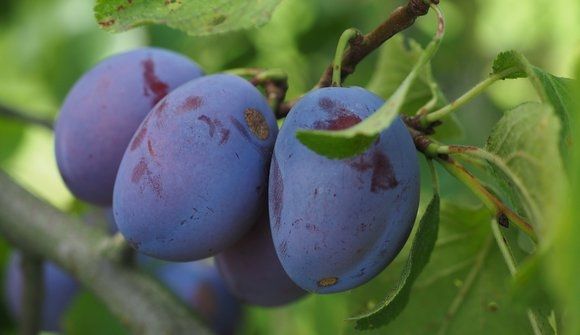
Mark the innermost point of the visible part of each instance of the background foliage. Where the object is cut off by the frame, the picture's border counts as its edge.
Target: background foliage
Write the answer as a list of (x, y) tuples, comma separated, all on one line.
[(47, 45)]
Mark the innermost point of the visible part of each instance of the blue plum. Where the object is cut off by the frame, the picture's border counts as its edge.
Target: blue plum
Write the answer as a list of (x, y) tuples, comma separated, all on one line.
[(253, 271), (337, 223), (59, 291), (102, 111), (194, 178), (200, 286)]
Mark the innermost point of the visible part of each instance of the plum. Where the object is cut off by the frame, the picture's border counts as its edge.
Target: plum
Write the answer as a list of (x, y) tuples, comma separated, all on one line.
[(337, 223), (102, 111), (193, 180), (253, 272), (59, 291), (200, 286)]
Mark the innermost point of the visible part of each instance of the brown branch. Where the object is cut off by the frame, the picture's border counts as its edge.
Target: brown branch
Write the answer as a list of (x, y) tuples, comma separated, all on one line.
[(10, 113), (139, 301), (402, 18)]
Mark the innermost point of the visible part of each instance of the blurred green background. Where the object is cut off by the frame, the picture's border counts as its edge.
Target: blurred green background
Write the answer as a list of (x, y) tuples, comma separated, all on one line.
[(46, 45)]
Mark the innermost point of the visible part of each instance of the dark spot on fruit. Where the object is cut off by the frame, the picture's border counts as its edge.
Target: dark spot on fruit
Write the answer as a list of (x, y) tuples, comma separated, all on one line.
[(383, 176), (210, 124), (238, 156), (326, 104), (218, 20), (339, 123), (266, 152), (283, 247), (139, 171), (138, 138), (107, 23), (155, 183), (191, 104), (153, 85), (315, 192), (150, 148), (257, 123), (362, 227), (225, 134), (277, 193), (311, 227), (326, 282)]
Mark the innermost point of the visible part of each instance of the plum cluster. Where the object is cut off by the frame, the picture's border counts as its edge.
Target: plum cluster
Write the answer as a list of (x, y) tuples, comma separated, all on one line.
[(194, 166)]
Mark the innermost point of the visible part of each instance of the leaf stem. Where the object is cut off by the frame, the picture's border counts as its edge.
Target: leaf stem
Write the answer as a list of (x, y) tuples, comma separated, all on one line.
[(350, 36), (489, 200), (510, 261), (495, 161), (464, 99), (32, 295)]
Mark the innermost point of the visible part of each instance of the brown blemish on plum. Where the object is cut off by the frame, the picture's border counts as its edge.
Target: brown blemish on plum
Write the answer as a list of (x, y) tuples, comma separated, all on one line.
[(153, 85), (383, 177), (340, 122), (266, 152), (154, 181), (214, 124), (257, 123), (326, 282), (138, 138), (139, 171), (150, 148), (326, 103), (283, 247), (277, 193), (205, 119), (191, 104)]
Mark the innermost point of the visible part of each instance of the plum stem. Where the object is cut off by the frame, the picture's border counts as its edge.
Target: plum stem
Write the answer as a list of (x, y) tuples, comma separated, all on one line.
[(32, 295), (350, 37), (10, 113), (274, 82)]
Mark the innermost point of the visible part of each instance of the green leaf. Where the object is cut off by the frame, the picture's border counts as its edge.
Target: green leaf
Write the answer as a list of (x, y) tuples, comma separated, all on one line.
[(526, 141), (340, 144), (395, 62), (465, 288), (195, 17), (551, 89), (423, 245), (564, 249)]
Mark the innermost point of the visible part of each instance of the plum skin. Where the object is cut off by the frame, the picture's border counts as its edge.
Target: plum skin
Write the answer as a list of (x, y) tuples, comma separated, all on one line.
[(193, 179), (102, 111), (200, 286), (336, 224), (252, 270), (59, 291)]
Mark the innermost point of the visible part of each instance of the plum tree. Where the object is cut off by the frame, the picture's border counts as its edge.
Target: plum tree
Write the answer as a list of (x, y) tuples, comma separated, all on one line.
[(200, 286), (337, 223), (102, 111), (253, 272), (59, 291), (193, 180)]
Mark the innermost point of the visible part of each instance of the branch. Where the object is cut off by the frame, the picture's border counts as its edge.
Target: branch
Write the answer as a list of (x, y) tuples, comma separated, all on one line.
[(9, 113), (32, 295), (140, 302), (402, 18)]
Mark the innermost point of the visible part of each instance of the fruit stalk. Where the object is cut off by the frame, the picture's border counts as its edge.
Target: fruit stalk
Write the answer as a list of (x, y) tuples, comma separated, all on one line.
[(140, 302)]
